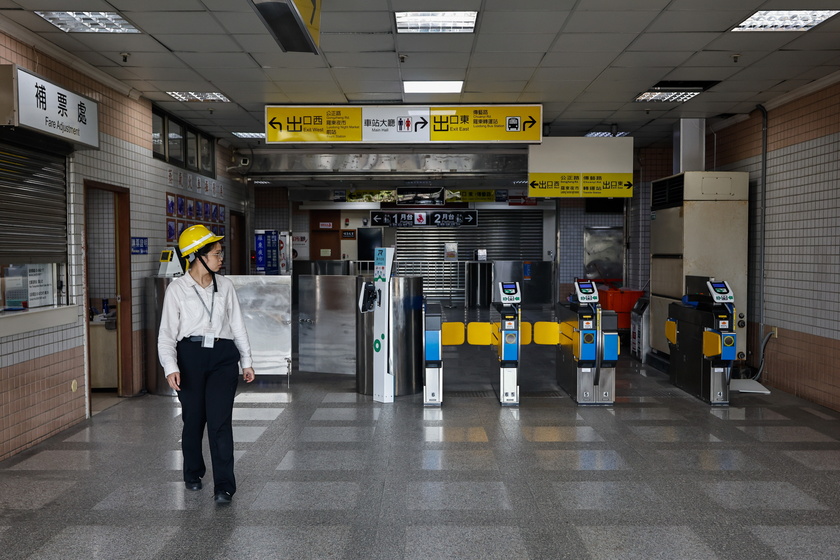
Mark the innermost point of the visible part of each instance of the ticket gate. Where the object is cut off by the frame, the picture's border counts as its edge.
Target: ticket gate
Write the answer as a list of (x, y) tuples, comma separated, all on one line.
[(588, 347), (702, 340), (433, 354), (506, 331), (502, 331)]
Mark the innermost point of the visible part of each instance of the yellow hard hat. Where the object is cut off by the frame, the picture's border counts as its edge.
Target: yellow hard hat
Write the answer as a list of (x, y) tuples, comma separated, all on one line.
[(195, 237)]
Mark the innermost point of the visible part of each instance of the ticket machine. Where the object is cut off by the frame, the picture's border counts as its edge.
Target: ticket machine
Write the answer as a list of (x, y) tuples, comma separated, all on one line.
[(701, 337), (171, 263), (588, 347), (506, 323)]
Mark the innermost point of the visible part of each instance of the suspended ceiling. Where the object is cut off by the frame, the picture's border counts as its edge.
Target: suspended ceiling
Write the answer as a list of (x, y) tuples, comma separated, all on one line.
[(584, 60)]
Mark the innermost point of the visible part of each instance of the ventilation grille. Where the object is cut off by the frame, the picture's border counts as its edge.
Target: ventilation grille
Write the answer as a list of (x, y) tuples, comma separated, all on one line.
[(667, 193)]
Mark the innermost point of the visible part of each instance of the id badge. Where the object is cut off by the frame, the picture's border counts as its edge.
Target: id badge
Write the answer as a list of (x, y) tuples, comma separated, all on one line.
[(209, 339)]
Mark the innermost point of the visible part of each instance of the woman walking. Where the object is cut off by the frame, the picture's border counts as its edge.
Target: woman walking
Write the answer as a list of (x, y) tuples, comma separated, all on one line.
[(201, 343)]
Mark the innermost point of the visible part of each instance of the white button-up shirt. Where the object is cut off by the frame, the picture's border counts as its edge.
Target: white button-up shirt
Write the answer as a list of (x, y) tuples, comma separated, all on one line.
[(184, 315)]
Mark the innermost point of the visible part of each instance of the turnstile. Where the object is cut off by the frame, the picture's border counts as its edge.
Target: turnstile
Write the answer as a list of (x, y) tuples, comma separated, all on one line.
[(701, 336), (588, 348)]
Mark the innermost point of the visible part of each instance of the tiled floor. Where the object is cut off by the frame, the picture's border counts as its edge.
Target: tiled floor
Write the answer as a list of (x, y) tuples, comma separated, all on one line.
[(326, 473)]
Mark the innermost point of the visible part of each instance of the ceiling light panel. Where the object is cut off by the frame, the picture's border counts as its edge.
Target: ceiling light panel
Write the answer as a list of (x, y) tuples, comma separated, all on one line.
[(192, 96), (435, 22), (785, 20), (666, 96), (433, 87), (605, 134), (249, 134), (89, 22)]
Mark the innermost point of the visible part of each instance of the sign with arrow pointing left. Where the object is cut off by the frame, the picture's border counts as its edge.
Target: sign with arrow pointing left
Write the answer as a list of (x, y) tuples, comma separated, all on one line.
[(403, 124)]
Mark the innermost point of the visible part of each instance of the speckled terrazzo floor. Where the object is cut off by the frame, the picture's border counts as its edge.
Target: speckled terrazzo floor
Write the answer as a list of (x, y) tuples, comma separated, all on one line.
[(324, 472)]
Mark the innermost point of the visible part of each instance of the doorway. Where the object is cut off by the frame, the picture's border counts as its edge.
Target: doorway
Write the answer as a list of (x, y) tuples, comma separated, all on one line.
[(108, 287), (237, 261), (325, 242)]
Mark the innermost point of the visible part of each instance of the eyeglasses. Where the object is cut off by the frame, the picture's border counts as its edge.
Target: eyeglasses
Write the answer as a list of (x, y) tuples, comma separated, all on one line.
[(218, 254)]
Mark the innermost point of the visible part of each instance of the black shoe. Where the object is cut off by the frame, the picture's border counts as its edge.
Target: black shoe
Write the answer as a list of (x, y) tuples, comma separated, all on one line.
[(195, 485), (222, 497)]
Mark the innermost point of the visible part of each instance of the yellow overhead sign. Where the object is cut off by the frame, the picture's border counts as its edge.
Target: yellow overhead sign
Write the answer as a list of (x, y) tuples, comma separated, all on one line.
[(580, 185), (403, 124), (313, 124), (310, 13), (493, 123)]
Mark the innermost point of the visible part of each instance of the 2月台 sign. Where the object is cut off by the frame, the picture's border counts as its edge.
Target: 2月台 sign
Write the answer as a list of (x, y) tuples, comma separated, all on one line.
[(403, 124)]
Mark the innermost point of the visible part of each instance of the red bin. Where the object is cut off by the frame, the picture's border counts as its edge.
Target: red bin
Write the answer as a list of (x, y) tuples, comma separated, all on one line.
[(621, 301)]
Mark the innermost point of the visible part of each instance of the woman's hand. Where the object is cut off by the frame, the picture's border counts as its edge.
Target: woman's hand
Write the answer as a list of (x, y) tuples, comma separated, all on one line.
[(248, 374), (174, 380)]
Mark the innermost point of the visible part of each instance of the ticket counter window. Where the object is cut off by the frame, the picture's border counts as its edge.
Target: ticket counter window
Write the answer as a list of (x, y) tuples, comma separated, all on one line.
[(31, 286)]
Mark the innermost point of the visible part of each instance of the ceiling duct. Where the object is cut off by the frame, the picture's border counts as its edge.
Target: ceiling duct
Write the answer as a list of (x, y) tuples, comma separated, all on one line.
[(689, 145), (489, 169), (284, 22)]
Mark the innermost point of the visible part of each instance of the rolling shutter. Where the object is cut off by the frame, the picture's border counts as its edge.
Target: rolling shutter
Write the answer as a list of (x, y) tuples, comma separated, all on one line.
[(33, 206)]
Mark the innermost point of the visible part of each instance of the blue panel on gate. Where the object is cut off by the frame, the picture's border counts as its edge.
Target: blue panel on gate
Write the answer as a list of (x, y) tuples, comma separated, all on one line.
[(588, 350), (433, 346)]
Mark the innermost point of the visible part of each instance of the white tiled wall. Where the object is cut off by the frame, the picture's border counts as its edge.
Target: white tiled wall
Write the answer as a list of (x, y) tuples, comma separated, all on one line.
[(148, 181), (802, 233)]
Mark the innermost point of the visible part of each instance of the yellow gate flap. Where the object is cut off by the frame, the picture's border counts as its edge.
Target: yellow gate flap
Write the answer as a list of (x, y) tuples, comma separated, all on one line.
[(546, 332), (671, 331), (525, 333), (711, 344), (452, 334), (479, 334)]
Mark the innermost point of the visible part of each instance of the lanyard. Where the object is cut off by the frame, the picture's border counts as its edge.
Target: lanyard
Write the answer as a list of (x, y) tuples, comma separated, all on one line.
[(212, 304)]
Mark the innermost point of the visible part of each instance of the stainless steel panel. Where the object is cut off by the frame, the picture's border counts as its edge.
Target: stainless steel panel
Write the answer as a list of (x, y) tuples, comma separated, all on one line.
[(327, 324), (603, 252), (266, 303), (152, 306), (406, 335)]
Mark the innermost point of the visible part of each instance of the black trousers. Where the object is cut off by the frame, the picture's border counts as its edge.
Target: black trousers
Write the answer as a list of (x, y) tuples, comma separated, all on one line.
[(209, 377)]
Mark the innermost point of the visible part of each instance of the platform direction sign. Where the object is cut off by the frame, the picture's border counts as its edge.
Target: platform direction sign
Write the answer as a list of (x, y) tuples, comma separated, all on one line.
[(403, 124), (453, 218), (380, 218), (435, 218)]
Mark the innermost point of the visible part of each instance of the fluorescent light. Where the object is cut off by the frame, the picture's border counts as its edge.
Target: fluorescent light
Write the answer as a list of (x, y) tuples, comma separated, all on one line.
[(435, 22), (193, 96), (666, 96), (784, 20), (433, 87), (249, 134), (89, 22), (605, 134)]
